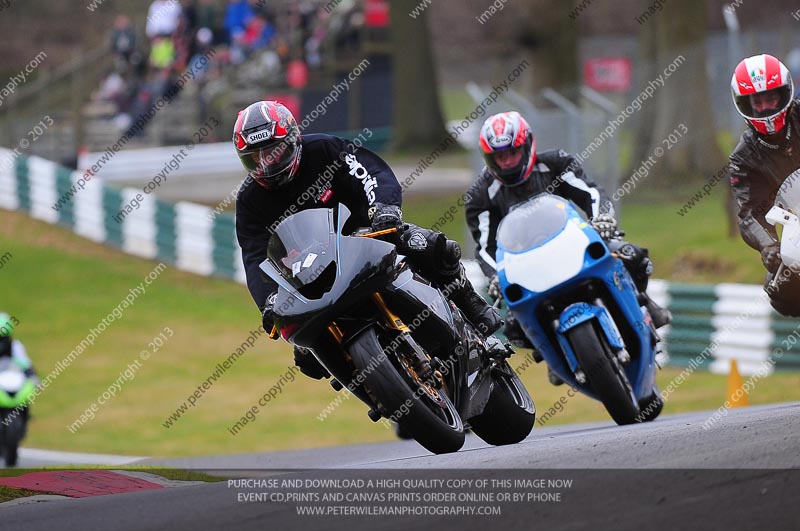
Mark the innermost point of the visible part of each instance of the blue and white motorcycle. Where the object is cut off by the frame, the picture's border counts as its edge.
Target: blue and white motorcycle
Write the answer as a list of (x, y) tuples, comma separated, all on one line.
[(578, 305)]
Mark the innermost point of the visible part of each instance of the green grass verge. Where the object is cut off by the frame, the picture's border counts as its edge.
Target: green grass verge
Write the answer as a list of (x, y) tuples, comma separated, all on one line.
[(10, 493), (59, 286)]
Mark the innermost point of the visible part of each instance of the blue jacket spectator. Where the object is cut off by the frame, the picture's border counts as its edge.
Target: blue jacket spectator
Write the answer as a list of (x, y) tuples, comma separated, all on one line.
[(237, 14)]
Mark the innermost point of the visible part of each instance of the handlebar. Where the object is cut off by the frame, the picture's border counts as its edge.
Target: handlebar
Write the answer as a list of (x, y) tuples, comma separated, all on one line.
[(378, 233)]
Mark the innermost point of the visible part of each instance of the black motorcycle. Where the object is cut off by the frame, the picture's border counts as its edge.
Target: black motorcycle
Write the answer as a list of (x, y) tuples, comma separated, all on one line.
[(390, 336)]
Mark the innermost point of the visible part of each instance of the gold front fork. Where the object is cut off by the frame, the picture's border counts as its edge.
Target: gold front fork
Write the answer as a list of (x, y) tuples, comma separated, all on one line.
[(421, 361), (392, 320)]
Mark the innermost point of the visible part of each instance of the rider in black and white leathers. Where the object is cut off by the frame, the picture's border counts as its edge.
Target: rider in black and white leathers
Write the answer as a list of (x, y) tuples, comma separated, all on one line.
[(488, 200), (514, 173)]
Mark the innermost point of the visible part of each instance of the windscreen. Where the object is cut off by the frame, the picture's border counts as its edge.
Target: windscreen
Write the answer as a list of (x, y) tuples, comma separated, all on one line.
[(532, 223), (789, 193), (303, 245)]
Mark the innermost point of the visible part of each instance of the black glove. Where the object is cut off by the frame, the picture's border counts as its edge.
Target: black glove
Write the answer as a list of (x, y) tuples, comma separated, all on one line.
[(309, 365), (268, 316), (494, 288), (771, 256), (605, 225), (386, 217)]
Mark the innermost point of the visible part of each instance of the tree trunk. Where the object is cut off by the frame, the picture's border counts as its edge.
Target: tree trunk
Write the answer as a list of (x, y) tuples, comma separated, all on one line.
[(418, 122), (645, 71), (551, 37), (682, 103)]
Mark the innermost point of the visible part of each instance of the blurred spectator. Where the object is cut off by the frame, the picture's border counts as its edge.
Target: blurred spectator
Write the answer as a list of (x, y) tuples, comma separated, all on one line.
[(123, 39), (345, 28), (278, 45), (209, 16), (184, 36), (189, 13), (163, 18), (237, 14), (197, 65), (162, 53), (258, 33), (313, 44), (155, 86), (114, 89)]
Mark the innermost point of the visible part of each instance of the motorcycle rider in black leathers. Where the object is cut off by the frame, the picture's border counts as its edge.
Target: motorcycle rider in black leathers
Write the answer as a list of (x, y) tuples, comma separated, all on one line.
[(288, 173), (514, 173), (767, 153)]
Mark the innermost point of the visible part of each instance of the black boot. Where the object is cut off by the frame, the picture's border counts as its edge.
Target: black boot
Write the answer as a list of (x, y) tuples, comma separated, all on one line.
[(661, 316), (553, 377), (308, 364), (514, 333), (477, 311)]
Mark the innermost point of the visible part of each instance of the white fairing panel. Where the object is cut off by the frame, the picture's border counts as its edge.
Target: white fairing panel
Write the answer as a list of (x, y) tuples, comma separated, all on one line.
[(790, 238), (11, 381), (545, 267), (790, 243)]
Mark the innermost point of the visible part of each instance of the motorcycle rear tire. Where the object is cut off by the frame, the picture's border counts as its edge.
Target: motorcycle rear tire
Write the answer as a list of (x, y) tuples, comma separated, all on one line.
[(440, 432), (509, 414), (604, 373)]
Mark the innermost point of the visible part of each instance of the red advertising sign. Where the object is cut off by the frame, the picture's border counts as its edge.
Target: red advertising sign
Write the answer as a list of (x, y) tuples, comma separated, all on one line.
[(376, 13), (608, 74)]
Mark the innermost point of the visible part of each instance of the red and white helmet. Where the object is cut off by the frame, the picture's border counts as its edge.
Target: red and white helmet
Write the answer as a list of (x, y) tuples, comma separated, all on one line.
[(267, 141), (508, 147), (763, 91)]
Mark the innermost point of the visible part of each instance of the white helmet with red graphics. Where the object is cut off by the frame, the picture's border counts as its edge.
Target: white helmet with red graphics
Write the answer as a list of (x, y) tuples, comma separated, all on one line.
[(763, 92), (508, 147)]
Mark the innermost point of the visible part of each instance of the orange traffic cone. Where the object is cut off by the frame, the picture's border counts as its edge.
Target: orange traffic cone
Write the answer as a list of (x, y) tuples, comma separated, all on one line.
[(736, 395)]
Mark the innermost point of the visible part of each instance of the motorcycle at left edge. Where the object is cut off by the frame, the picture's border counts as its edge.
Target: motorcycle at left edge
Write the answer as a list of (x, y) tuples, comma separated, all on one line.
[(16, 391)]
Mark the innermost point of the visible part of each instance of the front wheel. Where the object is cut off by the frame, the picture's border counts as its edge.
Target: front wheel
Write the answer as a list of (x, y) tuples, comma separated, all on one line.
[(13, 431), (651, 407), (604, 372), (509, 414), (10, 455), (424, 413)]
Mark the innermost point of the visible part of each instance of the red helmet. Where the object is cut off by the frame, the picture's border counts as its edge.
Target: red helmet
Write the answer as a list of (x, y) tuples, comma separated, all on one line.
[(508, 147), (763, 91), (267, 141)]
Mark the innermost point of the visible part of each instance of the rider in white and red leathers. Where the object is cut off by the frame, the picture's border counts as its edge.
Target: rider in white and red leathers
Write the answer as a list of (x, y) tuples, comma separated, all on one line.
[(767, 153)]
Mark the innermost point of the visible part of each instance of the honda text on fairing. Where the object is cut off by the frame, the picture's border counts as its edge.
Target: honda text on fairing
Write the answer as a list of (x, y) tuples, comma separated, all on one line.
[(390, 336), (578, 305)]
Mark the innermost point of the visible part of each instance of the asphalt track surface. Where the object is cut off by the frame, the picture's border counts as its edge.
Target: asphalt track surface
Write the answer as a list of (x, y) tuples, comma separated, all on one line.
[(742, 472)]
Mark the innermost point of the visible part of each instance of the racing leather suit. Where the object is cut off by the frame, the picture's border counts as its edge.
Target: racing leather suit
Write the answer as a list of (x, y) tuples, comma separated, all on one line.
[(758, 166)]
